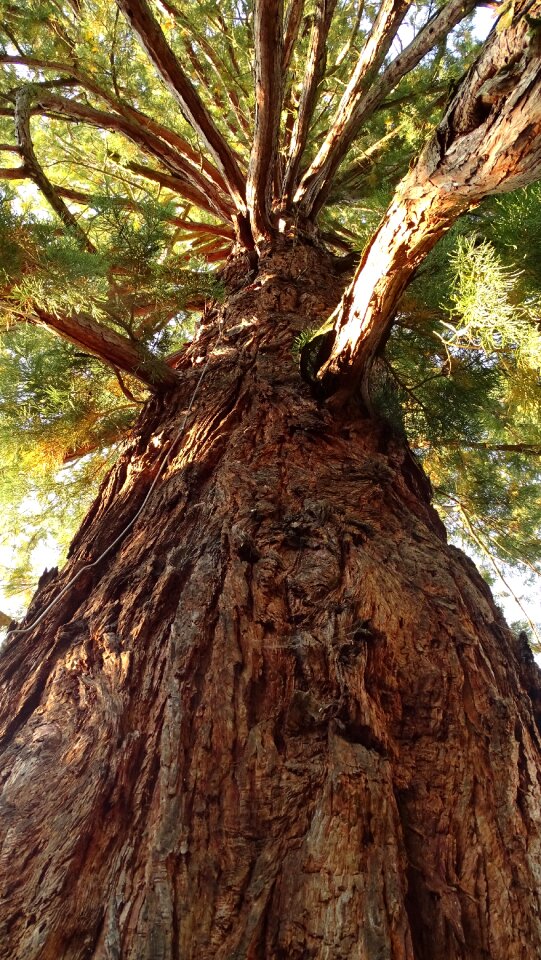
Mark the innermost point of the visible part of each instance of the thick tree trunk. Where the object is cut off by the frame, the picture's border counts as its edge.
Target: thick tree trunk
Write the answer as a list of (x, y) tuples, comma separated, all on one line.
[(284, 719)]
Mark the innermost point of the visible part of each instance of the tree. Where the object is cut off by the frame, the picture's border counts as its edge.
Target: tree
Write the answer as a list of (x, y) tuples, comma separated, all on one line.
[(264, 710)]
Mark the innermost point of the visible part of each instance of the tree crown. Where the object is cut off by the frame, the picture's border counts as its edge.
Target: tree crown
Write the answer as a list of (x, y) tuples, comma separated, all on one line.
[(141, 149)]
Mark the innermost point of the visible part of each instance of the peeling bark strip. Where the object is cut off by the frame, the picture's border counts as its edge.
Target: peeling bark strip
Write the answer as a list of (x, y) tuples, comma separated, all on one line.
[(111, 347), (153, 41), (268, 15), (489, 142), (283, 720), (35, 171)]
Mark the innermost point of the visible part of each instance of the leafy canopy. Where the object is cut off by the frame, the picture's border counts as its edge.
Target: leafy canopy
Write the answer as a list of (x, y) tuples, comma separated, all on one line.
[(117, 210)]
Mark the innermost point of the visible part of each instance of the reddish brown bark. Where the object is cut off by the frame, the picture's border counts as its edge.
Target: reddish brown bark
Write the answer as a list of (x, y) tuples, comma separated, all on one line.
[(316, 62), (105, 343), (284, 718), (366, 93)]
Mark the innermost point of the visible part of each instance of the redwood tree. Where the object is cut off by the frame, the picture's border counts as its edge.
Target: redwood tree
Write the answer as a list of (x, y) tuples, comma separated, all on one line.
[(264, 710)]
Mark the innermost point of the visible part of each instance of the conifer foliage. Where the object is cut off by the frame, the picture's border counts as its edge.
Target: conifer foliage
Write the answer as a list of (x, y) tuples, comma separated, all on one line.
[(144, 145)]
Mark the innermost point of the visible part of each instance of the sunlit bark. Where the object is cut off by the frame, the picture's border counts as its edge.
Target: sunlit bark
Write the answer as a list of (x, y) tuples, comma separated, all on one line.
[(152, 39), (365, 93), (314, 71), (105, 343)]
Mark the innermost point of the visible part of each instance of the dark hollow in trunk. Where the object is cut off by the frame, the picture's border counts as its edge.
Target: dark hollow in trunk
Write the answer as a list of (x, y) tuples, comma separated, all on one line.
[(284, 719)]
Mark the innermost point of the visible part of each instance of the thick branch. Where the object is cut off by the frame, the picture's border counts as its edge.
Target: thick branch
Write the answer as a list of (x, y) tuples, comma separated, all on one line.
[(315, 69), (292, 22), (489, 142), (268, 103), (168, 66), (14, 173), (197, 160), (390, 16), (34, 169), (111, 347), (226, 79)]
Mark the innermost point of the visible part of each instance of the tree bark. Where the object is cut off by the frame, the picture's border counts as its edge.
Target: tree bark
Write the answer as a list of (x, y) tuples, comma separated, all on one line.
[(283, 718), (153, 41)]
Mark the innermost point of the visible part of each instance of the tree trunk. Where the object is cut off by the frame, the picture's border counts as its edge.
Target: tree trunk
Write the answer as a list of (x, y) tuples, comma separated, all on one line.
[(283, 719)]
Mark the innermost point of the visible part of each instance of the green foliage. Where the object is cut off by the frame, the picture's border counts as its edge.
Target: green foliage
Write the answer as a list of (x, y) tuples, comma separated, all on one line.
[(62, 415)]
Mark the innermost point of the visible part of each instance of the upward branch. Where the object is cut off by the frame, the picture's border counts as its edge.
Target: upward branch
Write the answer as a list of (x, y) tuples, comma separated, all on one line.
[(390, 16), (170, 70), (292, 22), (268, 101), (315, 68), (489, 142), (33, 168), (362, 99)]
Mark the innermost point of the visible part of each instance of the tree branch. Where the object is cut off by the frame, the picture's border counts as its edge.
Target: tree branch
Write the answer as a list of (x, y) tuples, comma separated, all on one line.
[(226, 78), (14, 173), (292, 22), (268, 16), (315, 69), (489, 142), (153, 41), (240, 130), (111, 347), (527, 449), (201, 191), (196, 159), (390, 16), (318, 178), (23, 101)]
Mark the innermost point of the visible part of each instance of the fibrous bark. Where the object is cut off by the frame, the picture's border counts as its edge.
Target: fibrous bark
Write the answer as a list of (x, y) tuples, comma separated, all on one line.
[(365, 93), (284, 718), (315, 69), (105, 343)]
